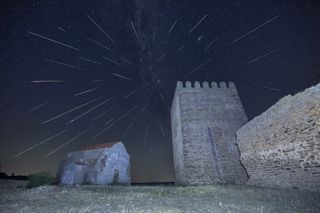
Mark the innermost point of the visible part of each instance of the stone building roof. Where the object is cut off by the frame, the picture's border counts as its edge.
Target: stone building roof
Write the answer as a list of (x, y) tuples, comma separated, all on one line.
[(100, 146)]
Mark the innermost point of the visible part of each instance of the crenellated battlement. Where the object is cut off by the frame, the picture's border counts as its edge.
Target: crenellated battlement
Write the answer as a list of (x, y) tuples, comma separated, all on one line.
[(205, 85)]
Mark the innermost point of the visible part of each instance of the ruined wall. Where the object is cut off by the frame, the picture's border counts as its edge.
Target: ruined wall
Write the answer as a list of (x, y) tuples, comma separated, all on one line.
[(204, 122), (281, 147), (107, 165)]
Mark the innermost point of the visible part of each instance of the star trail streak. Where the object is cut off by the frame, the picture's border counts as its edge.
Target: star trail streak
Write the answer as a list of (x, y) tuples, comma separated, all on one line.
[(262, 56), (253, 30), (164, 134), (71, 110), (144, 108), (270, 88), (64, 64), (171, 28), (121, 76), (60, 28), (38, 107), (198, 67), (85, 92), (126, 60), (101, 29), (89, 60), (129, 126), (54, 41), (197, 24), (47, 81), (40, 143), (109, 121), (99, 44), (102, 114), (90, 110), (160, 58), (134, 30), (210, 44), (112, 61), (68, 142), (129, 94), (114, 122)]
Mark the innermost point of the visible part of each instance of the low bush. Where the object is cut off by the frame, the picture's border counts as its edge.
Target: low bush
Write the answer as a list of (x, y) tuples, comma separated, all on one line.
[(41, 178)]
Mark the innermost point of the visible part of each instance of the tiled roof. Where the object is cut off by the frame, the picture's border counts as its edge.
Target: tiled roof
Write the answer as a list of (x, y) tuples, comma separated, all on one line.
[(99, 146)]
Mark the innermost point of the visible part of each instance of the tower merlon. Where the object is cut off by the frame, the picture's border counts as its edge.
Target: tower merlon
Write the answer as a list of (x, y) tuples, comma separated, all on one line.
[(205, 85)]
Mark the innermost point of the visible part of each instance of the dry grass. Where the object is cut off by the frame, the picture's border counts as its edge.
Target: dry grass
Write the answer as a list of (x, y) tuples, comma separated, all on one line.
[(216, 198)]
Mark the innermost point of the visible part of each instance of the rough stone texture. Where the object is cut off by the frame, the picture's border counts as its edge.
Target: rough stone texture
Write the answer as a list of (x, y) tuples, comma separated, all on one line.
[(281, 147), (99, 164), (204, 122)]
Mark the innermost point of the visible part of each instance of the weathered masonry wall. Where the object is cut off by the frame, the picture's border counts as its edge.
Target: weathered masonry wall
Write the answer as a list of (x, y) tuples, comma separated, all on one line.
[(99, 164), (281, 147), (204, 122)]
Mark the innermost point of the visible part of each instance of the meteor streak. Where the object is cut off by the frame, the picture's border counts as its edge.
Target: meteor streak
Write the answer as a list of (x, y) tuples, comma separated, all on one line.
[(66, 143), (102, 114), (161, 57), (195, 26), (37, 107), (210, 44), (64, 64), (253, 30), (121, 76), (162, 130), (112, 61), (128, 95), (95, 107), (42, 142), (116, 121), (180, 48), (47, 81), (84, 92), (198, 67), (60, 28), (54, 41), (262, 56), (172, 26), (89, 60), (71, 110), (101, 45), (270, 88), (101, 29), (134, 30)]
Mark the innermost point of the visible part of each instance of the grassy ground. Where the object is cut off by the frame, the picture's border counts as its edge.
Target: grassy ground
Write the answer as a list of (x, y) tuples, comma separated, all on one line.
[(216, 198)]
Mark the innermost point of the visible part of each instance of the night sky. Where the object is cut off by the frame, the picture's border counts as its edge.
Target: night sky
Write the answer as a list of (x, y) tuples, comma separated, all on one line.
[(85, 72)]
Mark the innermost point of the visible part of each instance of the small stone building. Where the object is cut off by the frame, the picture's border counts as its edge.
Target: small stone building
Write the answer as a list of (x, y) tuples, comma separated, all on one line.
[(204, 120), (281, 147), (97, 164)]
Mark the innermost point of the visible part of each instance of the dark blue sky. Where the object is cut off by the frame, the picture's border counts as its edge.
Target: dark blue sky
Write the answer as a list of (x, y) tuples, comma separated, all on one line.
[(268, 48)]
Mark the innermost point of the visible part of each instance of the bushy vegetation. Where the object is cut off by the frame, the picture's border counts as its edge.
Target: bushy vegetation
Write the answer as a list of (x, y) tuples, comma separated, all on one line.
[(41, 178)]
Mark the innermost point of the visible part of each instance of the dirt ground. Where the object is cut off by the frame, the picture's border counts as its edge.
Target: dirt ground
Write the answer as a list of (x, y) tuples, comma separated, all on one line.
[(216, 198)]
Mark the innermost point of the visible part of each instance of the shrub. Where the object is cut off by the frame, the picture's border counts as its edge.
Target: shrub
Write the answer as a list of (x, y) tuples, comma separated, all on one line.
[(41, 178), (3, 175)]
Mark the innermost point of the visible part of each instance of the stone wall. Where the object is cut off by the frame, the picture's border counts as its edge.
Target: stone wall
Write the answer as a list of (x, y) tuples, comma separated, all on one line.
[(204, 122), (109, 164), (281, 147)]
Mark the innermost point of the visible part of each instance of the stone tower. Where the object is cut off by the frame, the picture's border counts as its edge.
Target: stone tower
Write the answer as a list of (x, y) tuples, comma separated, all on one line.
[(204, 122)]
